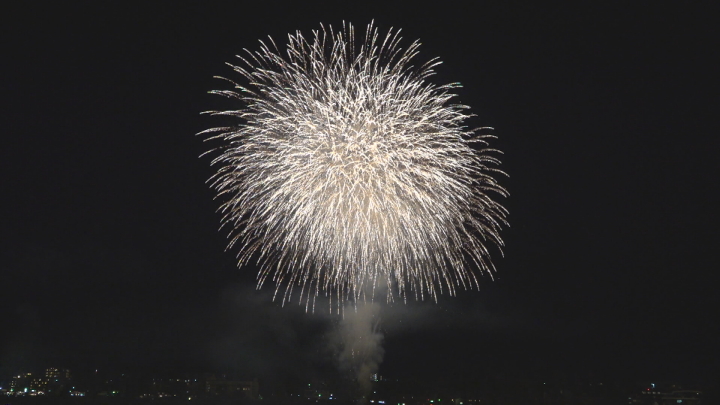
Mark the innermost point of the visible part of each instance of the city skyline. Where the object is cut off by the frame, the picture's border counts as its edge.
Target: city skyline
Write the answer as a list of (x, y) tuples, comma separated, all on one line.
[(59, 384)]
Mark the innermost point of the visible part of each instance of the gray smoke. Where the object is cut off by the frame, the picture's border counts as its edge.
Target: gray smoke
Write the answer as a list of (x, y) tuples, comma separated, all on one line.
[(359, 342)]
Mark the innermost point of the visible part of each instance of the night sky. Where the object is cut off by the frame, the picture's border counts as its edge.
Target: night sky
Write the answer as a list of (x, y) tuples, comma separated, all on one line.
[(111, 257)]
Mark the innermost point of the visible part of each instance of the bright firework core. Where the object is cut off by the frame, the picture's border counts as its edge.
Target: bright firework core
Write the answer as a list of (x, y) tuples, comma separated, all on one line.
[(350, 173)]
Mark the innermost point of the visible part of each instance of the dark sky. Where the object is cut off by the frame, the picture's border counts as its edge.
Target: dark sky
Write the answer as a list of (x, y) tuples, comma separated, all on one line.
[(607, 114)]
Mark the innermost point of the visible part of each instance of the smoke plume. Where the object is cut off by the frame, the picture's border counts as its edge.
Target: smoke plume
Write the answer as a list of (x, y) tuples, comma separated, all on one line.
[(360, 343)]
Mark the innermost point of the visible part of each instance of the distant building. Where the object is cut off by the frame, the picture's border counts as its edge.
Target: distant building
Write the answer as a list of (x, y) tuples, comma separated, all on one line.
[(21, 382), (53, 380), (665, 394), (228, 387), (318, 391), (58, 375)]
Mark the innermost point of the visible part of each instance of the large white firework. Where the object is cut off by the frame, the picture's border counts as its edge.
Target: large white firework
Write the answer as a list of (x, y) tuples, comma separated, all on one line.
[(349, 172)]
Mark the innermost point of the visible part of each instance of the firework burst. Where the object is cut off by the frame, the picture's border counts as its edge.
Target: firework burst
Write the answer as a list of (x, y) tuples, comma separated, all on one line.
[(350, 172)]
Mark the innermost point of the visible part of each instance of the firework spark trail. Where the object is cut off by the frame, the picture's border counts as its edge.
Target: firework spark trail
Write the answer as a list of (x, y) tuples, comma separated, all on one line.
[(351, 172)]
